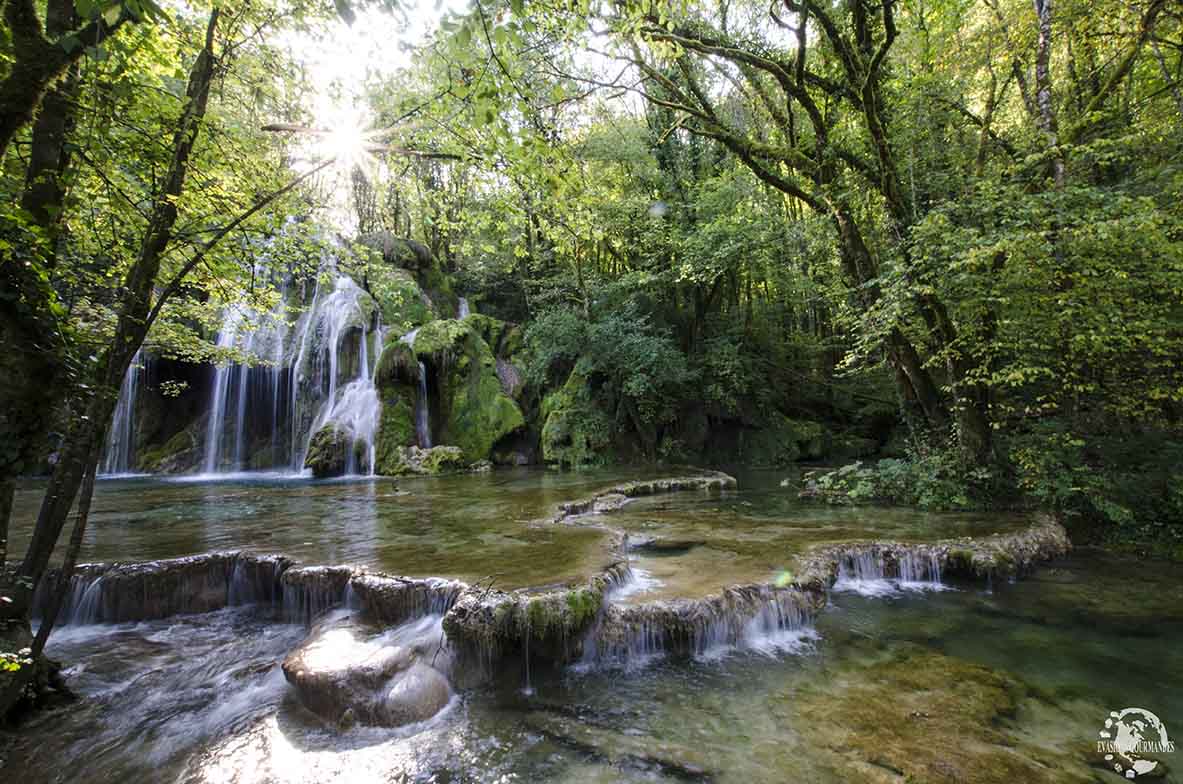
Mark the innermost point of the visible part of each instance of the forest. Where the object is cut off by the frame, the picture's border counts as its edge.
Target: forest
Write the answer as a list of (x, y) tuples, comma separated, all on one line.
[(911, 271)]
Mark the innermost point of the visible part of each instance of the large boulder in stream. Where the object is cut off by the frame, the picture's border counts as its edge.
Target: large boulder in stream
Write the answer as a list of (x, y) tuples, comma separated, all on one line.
[(344, 673), (328, 452)]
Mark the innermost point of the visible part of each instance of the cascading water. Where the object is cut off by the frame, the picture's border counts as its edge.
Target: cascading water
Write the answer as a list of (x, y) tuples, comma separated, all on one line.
[(119, 457), (355, 408), (872, 573), (267, 414), (422, 415), (227, 337), (462, 310)]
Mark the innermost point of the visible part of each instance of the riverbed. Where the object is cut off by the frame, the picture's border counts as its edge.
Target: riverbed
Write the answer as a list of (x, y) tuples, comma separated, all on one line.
[(951, 681)]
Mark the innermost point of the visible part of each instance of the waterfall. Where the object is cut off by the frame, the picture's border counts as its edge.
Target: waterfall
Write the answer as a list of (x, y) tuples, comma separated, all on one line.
[(422, 415), (422, 423), (301, 383), (355, 408), (119, 457), (462, 308), (875, 572), (217, 409)]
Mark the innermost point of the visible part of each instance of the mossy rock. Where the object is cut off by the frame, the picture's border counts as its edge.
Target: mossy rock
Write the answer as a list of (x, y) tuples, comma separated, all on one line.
[(179, 454), (396, 428), (438, 338), (401, 461), (476, 411), (328, 452), (400, 299), (397, 365), (504, 339), (574, 430), (441, 459)]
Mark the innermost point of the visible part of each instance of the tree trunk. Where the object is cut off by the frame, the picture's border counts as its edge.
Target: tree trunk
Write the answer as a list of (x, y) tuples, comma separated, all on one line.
[(7, 492), (85, 435), (37, 62), (1043, 91), (58, 597)]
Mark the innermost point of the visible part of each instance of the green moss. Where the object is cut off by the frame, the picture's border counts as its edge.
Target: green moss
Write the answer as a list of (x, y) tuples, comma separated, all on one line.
[(400, 299), (397, 364), (960, 561), (574, 431), (584, 604), (537, 617), (327, 452), (154, 460), (395, 430), (478, 413), (443, 458), (440, 336)]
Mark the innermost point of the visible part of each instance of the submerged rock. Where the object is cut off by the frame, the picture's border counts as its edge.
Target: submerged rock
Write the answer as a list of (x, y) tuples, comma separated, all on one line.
[(345, 672), (924, 716)]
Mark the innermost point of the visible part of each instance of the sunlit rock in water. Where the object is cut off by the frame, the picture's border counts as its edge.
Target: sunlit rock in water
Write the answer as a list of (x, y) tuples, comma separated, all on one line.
[(345, 672)]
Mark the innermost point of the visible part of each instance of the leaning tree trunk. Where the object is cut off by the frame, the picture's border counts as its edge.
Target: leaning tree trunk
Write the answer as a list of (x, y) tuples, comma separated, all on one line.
[(84, 437)]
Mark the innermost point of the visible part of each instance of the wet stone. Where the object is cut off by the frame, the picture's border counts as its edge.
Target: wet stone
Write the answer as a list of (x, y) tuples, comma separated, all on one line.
[(345, 673)]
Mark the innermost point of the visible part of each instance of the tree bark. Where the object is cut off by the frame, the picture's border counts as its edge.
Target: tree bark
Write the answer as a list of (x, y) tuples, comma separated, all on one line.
[(1043, 91), (49, 618), (83, 437), (38, 61)]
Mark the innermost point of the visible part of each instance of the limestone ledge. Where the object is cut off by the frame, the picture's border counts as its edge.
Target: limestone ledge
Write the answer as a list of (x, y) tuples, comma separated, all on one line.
[(558, 623), (615, 497), (997, 555)]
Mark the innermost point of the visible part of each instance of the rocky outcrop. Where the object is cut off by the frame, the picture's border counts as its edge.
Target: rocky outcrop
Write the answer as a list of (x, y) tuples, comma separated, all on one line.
[(997, 555), (487, 624), (345, 673), (394, 600), (436, 460), (115, 593), (615, 497), (575, 432), (691, 627), (328, 452)]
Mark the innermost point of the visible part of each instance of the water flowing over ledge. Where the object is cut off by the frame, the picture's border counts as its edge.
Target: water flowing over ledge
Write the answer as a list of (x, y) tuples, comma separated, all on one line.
[(572, 624)]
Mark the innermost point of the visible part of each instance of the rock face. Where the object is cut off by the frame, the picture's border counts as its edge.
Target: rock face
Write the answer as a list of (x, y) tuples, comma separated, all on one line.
[(328, 452), (436, 460), (345, 672), (116, 593), (575, 431), (476, 411), (469, 407), (1000, 554)]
